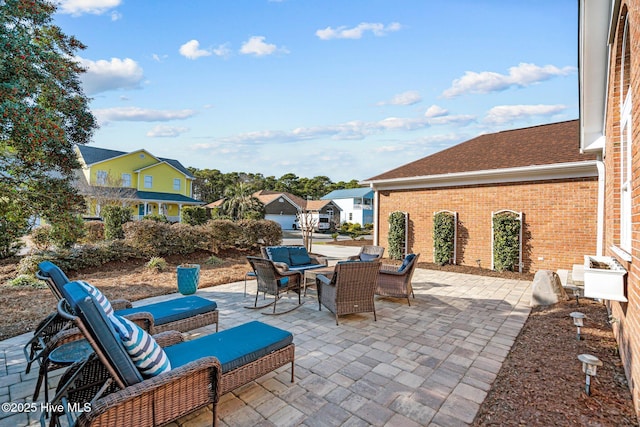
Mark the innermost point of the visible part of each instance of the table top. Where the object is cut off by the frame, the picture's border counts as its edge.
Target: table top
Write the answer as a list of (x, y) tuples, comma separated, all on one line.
[(71, 352), (326, 271)]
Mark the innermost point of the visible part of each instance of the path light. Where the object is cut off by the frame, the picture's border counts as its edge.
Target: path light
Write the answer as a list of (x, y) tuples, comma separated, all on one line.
[(578, 321), (590, 364)]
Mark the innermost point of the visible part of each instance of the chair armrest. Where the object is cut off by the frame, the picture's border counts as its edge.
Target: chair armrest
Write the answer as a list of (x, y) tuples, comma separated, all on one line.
[(318, 259), (168, 338), (144, 319), (391, 269), (354, 258), (204, 372), (120, 304), (321, 278)]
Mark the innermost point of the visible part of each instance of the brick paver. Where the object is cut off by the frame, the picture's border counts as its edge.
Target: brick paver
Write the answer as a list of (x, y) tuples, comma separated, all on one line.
[(431, 363)]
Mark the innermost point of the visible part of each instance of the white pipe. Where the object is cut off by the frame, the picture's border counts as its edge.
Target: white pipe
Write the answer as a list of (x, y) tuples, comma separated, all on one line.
[(600, 210)]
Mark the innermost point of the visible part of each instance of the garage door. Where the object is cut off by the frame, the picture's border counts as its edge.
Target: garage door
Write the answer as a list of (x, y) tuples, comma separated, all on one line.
[(285, 221)]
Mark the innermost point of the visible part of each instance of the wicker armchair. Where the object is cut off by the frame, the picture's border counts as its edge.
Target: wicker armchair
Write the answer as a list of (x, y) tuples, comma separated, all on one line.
[(368, 253), (274, 281), (350, 289), (396, 282)]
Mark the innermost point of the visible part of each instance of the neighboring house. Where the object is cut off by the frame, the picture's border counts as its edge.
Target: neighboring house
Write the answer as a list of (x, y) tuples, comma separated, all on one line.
[(536, 171), (356, 204), (153, 185), (284, 208), (609, 67)]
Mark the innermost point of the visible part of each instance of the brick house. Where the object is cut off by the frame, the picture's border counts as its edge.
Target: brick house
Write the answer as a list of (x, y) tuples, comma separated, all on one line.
[(537, 171), (609, 51)]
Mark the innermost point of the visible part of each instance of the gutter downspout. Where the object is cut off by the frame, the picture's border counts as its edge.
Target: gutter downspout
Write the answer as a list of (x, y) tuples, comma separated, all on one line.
[(600, 210), (376, 222)]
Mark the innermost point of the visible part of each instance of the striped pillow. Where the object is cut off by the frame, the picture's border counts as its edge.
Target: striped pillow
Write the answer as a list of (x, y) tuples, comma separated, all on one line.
[(146, 354), (102, 300)]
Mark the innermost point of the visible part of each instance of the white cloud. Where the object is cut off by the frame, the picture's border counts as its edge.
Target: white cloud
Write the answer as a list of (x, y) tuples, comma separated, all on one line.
[(137, 114), (95, 7), (435, 111), (487, 81), (103, 75), (159, 58), (358, 31), (223, 50), (162, 131), (191, 50), (507, 113), (257, 46), (406, 98), (116, 16)]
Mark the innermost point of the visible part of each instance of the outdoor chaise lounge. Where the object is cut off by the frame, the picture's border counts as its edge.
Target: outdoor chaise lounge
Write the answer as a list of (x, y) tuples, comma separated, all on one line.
[(180, 314), (200, 370), (395, 281), (350, 289)]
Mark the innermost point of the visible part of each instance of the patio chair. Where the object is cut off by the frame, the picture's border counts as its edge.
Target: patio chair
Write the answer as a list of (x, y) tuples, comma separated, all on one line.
[(368, 253), (201, 369), (350, 289), (395, 282), (273, 281), (181, 314)]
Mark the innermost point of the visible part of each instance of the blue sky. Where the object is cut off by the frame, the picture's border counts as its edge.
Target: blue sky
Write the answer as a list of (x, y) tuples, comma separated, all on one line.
[(345, 89)]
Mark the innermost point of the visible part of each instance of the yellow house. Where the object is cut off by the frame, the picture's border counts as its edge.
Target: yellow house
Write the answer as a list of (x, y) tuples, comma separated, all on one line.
[(152, 185)]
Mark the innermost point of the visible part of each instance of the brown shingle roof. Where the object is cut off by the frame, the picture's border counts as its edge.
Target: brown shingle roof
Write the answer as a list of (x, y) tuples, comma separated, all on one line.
[(537, 145)]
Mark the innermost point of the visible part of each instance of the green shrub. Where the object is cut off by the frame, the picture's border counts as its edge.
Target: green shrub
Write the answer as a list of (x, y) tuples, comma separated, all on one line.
[(194, 215), (156, 218), (114, 218), (444, 229), (41, 237), (222, 234), (214, 261), (506, 241), (67, 230), (156, 264), (149, 238), (254, 233), (27, 280), (397, 227), (13, 225)]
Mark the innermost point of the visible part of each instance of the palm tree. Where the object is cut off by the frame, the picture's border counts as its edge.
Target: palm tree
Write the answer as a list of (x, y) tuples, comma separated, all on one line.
[(241, 204)]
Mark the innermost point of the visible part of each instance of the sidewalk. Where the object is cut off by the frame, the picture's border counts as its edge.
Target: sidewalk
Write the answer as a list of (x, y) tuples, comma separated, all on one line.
[(430, 364)]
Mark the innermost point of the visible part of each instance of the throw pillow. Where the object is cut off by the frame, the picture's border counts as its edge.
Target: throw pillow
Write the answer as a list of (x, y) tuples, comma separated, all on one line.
[(99, 296), (368, 257), (146, 354), (407, 260), (279, 254), (283, 282)]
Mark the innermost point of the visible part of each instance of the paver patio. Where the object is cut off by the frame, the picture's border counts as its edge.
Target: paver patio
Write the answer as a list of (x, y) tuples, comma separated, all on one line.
[(428, 364)]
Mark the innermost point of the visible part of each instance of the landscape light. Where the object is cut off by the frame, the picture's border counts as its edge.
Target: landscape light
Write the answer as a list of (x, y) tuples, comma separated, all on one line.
[(578, 321), (590, 364)]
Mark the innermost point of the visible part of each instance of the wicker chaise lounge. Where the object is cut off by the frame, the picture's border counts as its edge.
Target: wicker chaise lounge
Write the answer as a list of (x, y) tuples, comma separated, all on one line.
[(350, 289), (201, 369), (396, 282)]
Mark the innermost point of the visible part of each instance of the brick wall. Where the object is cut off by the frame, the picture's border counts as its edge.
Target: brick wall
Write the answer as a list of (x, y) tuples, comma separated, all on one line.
[(627, 328), (559, 220)]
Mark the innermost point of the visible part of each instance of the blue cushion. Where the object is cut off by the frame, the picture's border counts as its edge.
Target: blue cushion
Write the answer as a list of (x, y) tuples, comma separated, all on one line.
[(102, 300), (49, 269), (233, 347), (173, 310), (283, 282), (299, 256), (146, 354), (407, 260), (279, 254), (368, 257), (102, 332)]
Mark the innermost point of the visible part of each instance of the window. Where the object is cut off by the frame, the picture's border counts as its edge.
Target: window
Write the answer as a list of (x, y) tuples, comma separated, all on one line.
[(148, 181), (350, 216), (126, 180), (625, 143), (101, 177), (176, 184)]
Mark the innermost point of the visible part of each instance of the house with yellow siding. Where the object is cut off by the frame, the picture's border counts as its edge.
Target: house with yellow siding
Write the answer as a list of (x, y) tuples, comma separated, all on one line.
[(152, 185)]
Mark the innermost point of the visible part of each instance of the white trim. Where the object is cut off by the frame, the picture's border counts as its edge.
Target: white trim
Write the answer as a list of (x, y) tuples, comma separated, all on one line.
[(492, 176), (158, 164), (600, 209), (624, 255)]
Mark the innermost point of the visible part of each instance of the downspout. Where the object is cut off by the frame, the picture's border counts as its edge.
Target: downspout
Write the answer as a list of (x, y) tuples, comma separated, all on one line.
[(600, 210), (376, 222)]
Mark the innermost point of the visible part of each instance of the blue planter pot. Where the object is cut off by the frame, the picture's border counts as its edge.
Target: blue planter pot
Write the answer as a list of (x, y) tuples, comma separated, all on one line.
[(188, 278)]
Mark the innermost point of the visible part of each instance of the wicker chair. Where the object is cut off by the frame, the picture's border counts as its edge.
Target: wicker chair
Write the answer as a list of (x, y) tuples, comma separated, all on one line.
[(274, 281), (396, 282), (368, 253), (202, 369), (350, 289), (55, 330)]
